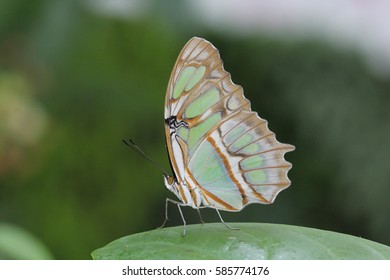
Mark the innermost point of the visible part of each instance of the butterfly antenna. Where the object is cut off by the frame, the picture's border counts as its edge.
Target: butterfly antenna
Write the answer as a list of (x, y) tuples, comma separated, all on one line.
[(132, 145)]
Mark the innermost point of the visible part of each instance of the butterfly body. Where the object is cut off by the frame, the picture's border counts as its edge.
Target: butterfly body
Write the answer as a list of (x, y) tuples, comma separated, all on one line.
[(222, 153)]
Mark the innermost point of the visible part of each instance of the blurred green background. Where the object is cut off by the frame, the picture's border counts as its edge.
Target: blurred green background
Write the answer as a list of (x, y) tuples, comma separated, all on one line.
[(76, 77)]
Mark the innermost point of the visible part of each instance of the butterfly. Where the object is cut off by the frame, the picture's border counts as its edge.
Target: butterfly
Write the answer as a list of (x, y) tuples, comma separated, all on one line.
[(222, 154)]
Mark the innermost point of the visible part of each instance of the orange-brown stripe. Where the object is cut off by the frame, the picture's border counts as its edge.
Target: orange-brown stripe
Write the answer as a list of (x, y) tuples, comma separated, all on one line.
[(193, 194), (217, 199), (259, 196), (228, 167), (181, 191), (208, 194)]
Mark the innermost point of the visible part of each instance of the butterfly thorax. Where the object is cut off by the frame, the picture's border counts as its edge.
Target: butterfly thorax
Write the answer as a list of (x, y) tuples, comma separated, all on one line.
[(189, 196)]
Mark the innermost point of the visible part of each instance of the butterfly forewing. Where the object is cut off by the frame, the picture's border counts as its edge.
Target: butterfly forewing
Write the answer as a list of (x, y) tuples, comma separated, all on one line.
[(216, 144)]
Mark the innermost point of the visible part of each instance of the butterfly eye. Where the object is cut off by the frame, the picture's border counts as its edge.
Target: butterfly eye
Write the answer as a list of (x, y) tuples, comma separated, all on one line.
[(170, 180)]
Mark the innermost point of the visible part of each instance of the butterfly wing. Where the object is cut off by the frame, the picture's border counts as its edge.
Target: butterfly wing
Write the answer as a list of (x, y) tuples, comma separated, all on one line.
[(216, 144)]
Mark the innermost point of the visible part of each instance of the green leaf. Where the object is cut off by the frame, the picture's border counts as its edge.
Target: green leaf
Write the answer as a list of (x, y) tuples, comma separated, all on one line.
[(18, 244), (251, 241)]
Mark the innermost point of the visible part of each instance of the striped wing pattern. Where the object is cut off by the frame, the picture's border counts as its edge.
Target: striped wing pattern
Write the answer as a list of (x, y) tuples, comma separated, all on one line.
[(223, 155)]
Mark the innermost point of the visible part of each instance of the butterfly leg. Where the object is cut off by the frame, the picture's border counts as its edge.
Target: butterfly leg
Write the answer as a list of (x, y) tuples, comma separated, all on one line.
[(182, 217), (166, 213), (229, 227), (181, 213), (200, 216)]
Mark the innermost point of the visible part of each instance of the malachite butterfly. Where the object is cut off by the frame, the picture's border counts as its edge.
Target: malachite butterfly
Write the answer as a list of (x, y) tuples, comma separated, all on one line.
[(222, 153)]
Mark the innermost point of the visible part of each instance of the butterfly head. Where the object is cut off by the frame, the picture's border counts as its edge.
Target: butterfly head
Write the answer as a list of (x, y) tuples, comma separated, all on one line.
[(170, 182)]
